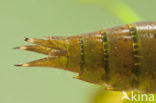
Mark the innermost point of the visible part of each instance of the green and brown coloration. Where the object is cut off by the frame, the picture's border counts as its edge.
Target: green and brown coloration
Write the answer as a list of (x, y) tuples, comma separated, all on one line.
[(122, 58)]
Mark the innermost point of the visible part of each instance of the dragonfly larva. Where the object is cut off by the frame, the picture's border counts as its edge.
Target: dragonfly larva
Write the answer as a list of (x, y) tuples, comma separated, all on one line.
[(122, 57)]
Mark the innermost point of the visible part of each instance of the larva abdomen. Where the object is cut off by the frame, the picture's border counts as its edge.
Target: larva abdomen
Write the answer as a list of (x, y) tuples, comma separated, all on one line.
[(132, 56), (122, 57)]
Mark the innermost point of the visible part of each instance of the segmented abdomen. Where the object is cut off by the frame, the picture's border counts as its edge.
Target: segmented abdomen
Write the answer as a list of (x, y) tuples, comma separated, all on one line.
[(123, 57), (128, 57)]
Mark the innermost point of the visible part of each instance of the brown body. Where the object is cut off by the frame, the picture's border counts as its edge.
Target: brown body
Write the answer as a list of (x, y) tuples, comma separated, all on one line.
[(123, 57)]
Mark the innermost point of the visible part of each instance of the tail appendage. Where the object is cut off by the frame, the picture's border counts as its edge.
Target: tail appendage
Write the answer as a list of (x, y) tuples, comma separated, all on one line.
[(55, 49)]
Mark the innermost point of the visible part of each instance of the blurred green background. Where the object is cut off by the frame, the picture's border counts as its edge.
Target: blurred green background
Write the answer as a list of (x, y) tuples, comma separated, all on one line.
[(40, 18)]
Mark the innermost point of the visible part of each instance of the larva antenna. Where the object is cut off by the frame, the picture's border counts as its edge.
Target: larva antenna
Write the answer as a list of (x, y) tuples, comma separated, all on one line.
[(54, 61)]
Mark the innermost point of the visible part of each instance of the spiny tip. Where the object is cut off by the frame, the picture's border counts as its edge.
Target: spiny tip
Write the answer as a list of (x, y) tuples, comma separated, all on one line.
[(31, 40), (23, 65), (26, 39), (21, 48), (17, 65)]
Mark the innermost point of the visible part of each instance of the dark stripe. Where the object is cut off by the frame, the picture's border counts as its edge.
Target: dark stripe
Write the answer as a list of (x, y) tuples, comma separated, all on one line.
[(106, 55), (67, 51), (82, 55), (136, 50)]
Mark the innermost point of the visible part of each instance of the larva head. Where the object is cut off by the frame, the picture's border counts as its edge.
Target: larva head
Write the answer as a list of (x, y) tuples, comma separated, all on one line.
[(54, 48)]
